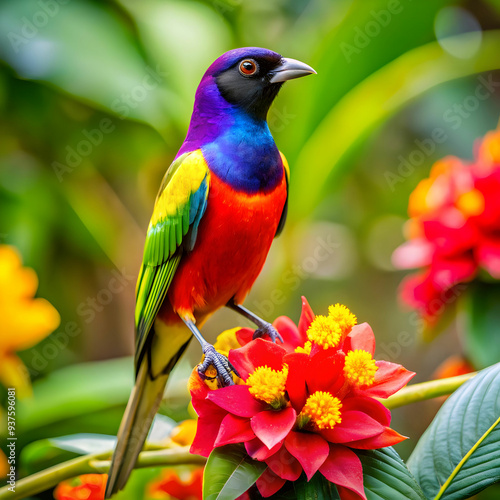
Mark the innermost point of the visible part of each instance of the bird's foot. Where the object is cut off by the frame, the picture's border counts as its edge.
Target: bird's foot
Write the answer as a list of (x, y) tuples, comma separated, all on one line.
[(268, 329), (221, 364)]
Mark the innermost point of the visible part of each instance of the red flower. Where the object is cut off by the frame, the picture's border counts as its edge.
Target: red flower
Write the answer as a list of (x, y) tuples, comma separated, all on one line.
[(87, 486), (454, 230), (304, 405), (170, 486)]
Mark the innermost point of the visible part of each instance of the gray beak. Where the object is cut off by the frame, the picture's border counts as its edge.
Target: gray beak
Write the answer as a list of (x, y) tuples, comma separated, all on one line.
[(290, 69)]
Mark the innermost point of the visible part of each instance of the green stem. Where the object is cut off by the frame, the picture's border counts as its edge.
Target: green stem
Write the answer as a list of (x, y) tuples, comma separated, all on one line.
[(97, 463), (426, 390)]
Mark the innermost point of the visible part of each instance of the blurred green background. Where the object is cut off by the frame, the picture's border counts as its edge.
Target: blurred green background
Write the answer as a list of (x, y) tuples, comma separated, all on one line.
[(95, 100)]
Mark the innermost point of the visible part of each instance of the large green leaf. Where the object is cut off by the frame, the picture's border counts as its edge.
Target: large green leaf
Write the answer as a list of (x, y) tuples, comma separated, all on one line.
[(458, 455), (318, 488), (385, 476), (44, 453), (479, 320), (229, 473)]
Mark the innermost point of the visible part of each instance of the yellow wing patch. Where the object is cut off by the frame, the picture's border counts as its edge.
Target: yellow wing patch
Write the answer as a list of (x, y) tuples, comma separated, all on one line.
[(185, 181), (286, 167)]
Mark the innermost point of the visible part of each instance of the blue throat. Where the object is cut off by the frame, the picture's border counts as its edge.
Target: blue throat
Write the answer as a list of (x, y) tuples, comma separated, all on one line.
[(244, 154)]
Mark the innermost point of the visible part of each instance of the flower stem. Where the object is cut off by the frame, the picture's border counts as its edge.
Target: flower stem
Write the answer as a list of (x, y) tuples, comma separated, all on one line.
[(426, 390), (97, 463)]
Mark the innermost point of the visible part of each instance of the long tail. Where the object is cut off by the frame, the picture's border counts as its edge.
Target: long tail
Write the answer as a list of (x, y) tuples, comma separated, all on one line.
[(141, 408)]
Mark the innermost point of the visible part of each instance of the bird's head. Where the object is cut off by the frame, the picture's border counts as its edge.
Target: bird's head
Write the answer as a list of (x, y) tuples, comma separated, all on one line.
[(249, 78)]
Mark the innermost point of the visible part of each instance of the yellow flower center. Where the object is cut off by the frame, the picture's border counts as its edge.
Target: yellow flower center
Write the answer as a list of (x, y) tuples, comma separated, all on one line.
[(323, 410), (324, 332), (343, 317), (268, 385), (360, 368), (471, 203), (306, 349)]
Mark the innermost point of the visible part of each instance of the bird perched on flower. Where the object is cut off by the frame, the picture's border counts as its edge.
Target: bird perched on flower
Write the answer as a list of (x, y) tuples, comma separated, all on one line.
[(221, 203)]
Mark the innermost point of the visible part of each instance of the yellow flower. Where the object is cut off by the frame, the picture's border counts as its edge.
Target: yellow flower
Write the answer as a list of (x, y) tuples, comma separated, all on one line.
[(25, 320), (227, 340), (184, 433)]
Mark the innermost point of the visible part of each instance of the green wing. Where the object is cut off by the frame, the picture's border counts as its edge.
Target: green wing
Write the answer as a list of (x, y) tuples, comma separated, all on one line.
[(179, 207)]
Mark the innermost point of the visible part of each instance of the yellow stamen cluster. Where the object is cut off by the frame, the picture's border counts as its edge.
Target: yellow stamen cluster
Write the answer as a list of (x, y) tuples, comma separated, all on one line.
[(268, 385), (360, 368), (306, 349), (328, 331), (323, 410), (471, 203), (344, 318), (325, 332)]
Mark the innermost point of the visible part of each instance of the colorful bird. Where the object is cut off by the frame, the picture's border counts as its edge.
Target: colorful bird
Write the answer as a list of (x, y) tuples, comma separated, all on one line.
[(221, 203)]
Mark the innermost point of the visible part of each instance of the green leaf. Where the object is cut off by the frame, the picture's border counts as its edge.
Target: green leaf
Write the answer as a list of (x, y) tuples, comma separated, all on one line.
[(48, 452), (385, 475), (229, 473), (76, 390), (318, 488), (479, 320), (458, 456)]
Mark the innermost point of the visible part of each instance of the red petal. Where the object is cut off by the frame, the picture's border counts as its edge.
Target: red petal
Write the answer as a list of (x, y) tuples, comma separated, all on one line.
[(296, 388), (234, 430), (387, 438), (450, 232), (271, 426), (289, 332), (360, 337), (206, 433), (269, 483), (346, 494), (306, 318), (236, 399), (389, 378), (259, 352), (343, 468), (310, 450), (244, 336), (370, 406), (197, 387), (284, 465), (325, 372), (355, 425), (413, 254), (488, 255), (259, 451)]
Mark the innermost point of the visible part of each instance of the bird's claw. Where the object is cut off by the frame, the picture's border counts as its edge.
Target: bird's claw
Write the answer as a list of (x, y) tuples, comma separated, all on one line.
[(221, 364), (268, 329)]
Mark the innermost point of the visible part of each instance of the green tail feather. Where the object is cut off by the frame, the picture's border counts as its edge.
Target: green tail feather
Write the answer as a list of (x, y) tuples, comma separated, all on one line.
[(141, 409)]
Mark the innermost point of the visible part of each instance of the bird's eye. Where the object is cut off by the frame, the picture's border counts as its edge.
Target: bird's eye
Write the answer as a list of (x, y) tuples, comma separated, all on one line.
[(248, 67)]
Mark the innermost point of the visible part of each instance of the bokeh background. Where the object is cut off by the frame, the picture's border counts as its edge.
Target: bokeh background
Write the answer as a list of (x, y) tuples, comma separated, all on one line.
[(95, 99)]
